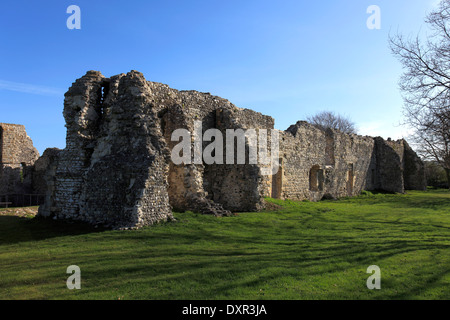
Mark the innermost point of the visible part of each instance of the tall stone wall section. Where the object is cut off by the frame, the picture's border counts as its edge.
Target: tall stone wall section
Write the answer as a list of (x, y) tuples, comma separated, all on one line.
[(320, 164), (240, 187), (389, 168), (113, 170), (116, 168), (202, 187), (17, 157), (44, 168), (399, 167)]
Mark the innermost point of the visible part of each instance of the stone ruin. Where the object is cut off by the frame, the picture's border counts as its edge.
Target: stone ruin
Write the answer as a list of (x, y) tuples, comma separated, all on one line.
[(116, 169), (17, 159)]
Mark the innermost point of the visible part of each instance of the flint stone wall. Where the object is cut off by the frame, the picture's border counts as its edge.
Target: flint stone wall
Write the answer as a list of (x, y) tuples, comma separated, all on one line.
[(320, 164), (116, 169), (17, 157)]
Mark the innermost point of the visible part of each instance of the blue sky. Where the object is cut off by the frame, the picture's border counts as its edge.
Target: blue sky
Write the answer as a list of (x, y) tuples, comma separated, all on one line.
[(286, 59)]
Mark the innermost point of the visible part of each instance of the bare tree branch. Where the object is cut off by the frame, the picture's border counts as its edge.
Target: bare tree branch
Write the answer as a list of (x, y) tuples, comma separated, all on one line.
[(425, 85), (328, 119)]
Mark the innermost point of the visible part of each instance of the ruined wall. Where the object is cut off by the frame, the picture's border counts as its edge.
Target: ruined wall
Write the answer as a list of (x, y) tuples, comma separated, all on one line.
[(403, 165), (181, 109), (413, 170), (320, 164), (317, 164), (17, 157), (113, 170), (202, 187), (398, 167), (389, 169), (240, 187), (353, 159), (41, 166), (117, 169), (44, 176), (81, 112)]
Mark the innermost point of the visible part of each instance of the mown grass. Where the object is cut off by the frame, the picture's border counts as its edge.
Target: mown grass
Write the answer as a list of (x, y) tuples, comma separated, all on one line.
[(302, 250)]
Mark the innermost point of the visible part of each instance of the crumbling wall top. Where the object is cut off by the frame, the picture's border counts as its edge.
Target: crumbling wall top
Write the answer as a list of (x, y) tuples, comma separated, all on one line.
[(16, 147)]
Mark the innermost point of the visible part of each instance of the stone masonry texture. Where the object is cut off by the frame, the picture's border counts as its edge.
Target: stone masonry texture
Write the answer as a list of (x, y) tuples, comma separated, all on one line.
[(17, 158), (116, 169)]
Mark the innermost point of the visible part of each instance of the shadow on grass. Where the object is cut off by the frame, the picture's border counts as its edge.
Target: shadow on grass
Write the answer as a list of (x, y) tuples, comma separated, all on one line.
[(435, 199), (221, 269), (322, 255), (15, 229)]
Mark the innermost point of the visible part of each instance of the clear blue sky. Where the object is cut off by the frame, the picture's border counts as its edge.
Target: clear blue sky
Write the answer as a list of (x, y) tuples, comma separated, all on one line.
[(286, 59)]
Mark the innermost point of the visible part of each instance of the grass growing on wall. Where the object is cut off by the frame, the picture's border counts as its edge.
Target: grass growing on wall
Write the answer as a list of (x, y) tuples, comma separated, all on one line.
[(298, 250)]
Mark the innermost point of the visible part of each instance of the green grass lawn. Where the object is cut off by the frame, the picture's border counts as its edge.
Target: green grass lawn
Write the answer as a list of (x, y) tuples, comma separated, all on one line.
[(302, 250)]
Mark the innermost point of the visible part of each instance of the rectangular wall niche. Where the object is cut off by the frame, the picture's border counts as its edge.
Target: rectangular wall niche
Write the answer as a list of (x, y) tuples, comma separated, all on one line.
[(277, 181), (350, 179), (316, 178)]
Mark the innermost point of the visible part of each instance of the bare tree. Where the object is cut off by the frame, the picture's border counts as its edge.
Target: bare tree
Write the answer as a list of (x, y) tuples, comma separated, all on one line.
[(425, 85), (328, 119)]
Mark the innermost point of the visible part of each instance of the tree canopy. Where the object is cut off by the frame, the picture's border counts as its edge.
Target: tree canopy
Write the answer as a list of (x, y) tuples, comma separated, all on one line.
[(328, 119)]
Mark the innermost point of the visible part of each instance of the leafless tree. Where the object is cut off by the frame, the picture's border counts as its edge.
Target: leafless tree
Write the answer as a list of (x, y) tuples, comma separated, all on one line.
[(328, 119), (425, 85)]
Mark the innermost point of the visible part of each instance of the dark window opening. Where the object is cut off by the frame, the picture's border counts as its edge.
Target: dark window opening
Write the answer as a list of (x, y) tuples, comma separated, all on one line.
[(350, 179), (22, 171), (316, 178)]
